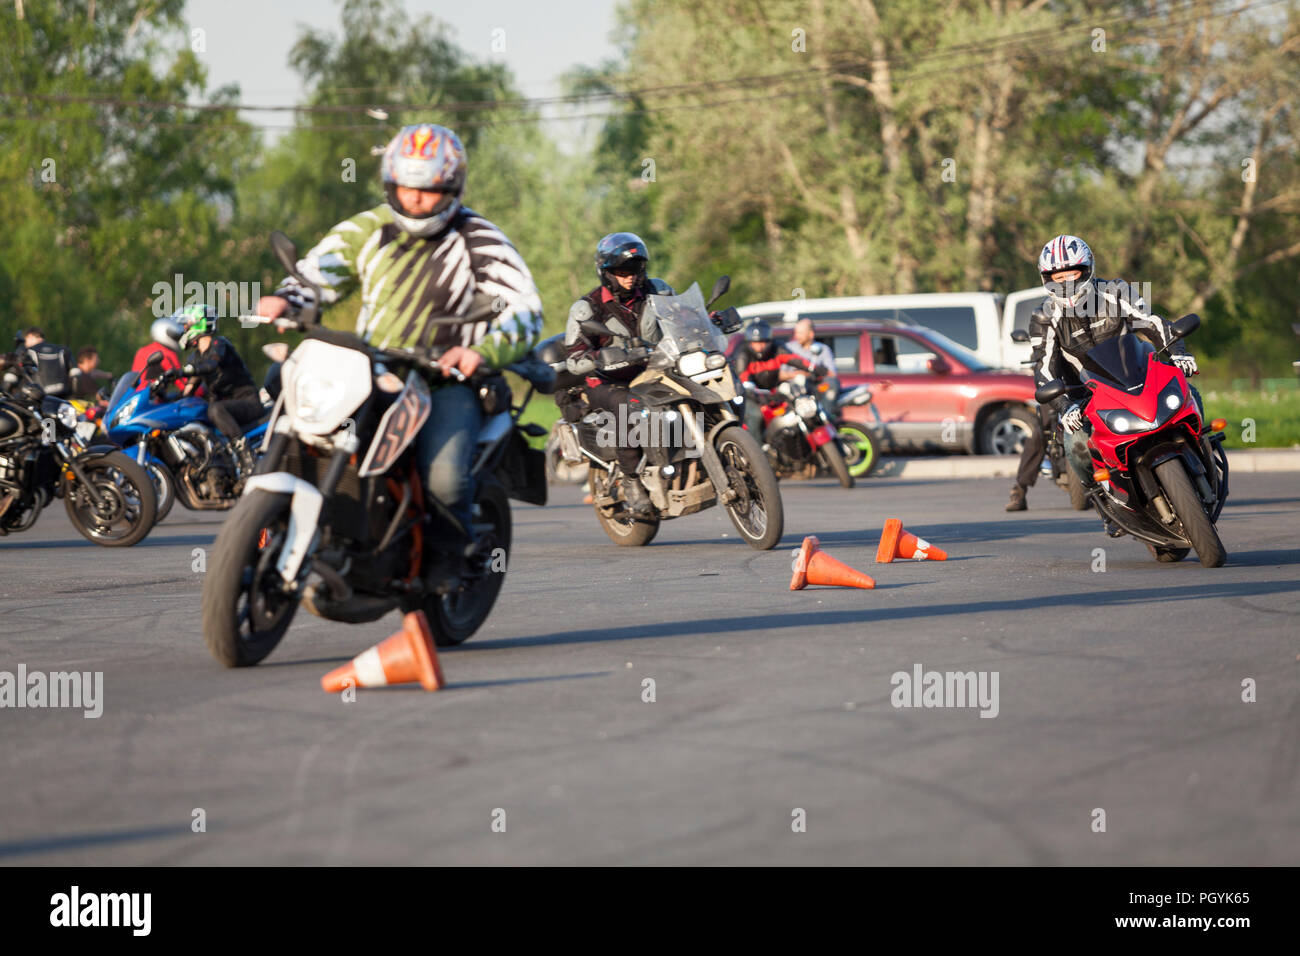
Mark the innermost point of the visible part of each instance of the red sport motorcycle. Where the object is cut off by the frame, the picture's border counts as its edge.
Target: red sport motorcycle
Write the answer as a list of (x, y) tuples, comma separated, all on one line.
[(1161, 475)]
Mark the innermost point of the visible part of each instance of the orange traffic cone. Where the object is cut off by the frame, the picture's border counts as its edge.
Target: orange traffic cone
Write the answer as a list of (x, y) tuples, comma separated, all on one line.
[(405, 657), (897, 543), (815, 566)]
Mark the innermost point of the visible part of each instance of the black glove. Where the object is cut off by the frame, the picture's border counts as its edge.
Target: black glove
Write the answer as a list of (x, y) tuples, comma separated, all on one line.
[(612, 357)]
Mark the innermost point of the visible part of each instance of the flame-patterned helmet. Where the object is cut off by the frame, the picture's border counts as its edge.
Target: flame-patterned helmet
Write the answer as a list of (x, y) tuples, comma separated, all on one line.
[(425, 156)]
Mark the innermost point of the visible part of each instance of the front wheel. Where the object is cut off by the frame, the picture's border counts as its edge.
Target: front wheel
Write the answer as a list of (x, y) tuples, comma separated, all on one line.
[(164, 487), (245, 607), (127, 506), (756, 509), (1197, 526), (833, 459), (455, 617), (859, 449)]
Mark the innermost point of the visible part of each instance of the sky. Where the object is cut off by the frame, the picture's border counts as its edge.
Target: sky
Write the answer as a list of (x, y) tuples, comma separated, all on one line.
[(248, 41)]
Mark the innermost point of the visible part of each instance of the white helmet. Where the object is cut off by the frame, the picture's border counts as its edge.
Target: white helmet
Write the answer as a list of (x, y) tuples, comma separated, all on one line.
[(426, 156), (1063, 254), (167, 331)]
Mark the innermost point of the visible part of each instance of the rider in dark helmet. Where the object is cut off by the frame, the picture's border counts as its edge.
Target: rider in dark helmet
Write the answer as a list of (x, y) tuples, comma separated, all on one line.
[(619, 303), (765, 364)]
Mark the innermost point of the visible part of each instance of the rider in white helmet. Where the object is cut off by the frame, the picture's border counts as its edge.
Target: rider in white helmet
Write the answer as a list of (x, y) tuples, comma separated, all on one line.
[(423, 255), (1083, 311)]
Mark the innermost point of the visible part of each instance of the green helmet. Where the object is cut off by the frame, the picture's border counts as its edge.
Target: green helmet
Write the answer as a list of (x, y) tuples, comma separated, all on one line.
[(199, 320)]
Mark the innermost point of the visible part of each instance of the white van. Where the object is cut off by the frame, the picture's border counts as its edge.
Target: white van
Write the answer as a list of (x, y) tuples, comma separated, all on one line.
[(976, 320)]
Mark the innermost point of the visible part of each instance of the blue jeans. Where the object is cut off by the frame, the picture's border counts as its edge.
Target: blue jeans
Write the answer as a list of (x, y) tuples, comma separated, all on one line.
[(444, 449)]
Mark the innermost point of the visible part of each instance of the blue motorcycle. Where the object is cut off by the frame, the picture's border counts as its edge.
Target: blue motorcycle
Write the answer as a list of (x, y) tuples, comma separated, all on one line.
[(171, 438)]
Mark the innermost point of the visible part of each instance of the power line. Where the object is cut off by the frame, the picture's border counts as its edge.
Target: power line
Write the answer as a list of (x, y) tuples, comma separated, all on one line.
[(901, 75)]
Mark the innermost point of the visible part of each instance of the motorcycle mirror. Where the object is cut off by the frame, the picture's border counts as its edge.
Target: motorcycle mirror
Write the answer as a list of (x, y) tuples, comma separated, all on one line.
[(592, 327), (1186, 325), (286, 253), (1050, 391), (155, 359), (719, 290), (1020, 335)]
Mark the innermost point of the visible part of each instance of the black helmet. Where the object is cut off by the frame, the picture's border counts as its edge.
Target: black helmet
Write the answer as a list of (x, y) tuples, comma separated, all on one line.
[(758, 332), (620, 250)]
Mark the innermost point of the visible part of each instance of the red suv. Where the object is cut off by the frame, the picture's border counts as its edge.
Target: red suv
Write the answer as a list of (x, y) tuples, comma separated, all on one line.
[(928, 392)]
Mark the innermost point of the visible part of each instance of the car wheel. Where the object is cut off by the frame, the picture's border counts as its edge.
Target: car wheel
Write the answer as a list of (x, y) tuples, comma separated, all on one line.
[(1004, 431)]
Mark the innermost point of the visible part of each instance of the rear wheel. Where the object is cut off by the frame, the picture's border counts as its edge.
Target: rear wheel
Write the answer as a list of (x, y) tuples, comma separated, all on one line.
[(833, 459), (455, 617), (1079, 499), (1197, 527), (623, 529), (127, 506), (756, 510), (245, 608), (1168, 555), (859, 448)]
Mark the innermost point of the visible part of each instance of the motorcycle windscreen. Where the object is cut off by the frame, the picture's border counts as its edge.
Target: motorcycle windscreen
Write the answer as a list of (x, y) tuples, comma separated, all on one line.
[(125, 385), (1120, 362), (684, 325), (398, 428)]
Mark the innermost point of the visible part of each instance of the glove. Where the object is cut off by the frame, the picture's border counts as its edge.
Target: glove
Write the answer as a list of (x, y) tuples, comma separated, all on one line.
[(1186, 364), (1072, 418)]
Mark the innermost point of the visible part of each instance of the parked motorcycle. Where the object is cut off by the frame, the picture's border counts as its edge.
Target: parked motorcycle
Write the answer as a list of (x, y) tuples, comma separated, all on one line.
[(169, 436), (858, 443), (1161, 475), (108, 497), (799, 433), (698, 454), (336, 517)]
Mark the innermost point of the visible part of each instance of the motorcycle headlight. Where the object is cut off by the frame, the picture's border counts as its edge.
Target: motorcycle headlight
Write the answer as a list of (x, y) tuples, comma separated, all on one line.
[(316, 398), (715, 360), (1123, 422), (67, 416), (692, 363), (805, 406), (1171, 400), (127, 410)]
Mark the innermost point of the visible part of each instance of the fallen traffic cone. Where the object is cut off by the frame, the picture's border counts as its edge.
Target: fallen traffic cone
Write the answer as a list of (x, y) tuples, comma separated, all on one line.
[(815, 566), (405, 657), (897, 543)]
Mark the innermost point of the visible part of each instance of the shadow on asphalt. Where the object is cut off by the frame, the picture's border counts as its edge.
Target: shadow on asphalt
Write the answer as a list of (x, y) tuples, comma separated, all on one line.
[(75, 841), (149, 542), (1087, 600), (1260, 559)]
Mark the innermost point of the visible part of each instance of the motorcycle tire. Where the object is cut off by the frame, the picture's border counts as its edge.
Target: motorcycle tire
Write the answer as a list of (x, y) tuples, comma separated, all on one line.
[(860, 449), (130, 497), (164, 486), (244, 612), (454, 618), (622, 528), (1079, 499), (744, 459), (1186, 503), (833, 459), (1168, 555)]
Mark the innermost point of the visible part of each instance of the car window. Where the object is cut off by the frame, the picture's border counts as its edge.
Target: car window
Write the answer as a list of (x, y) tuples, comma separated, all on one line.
[(845, 349), (900, 354), (850, 314), (957, 322), (1024, 309)]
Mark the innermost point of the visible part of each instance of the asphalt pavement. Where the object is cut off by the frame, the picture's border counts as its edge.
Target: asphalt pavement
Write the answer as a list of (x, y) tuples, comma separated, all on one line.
[(1140, 714)]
